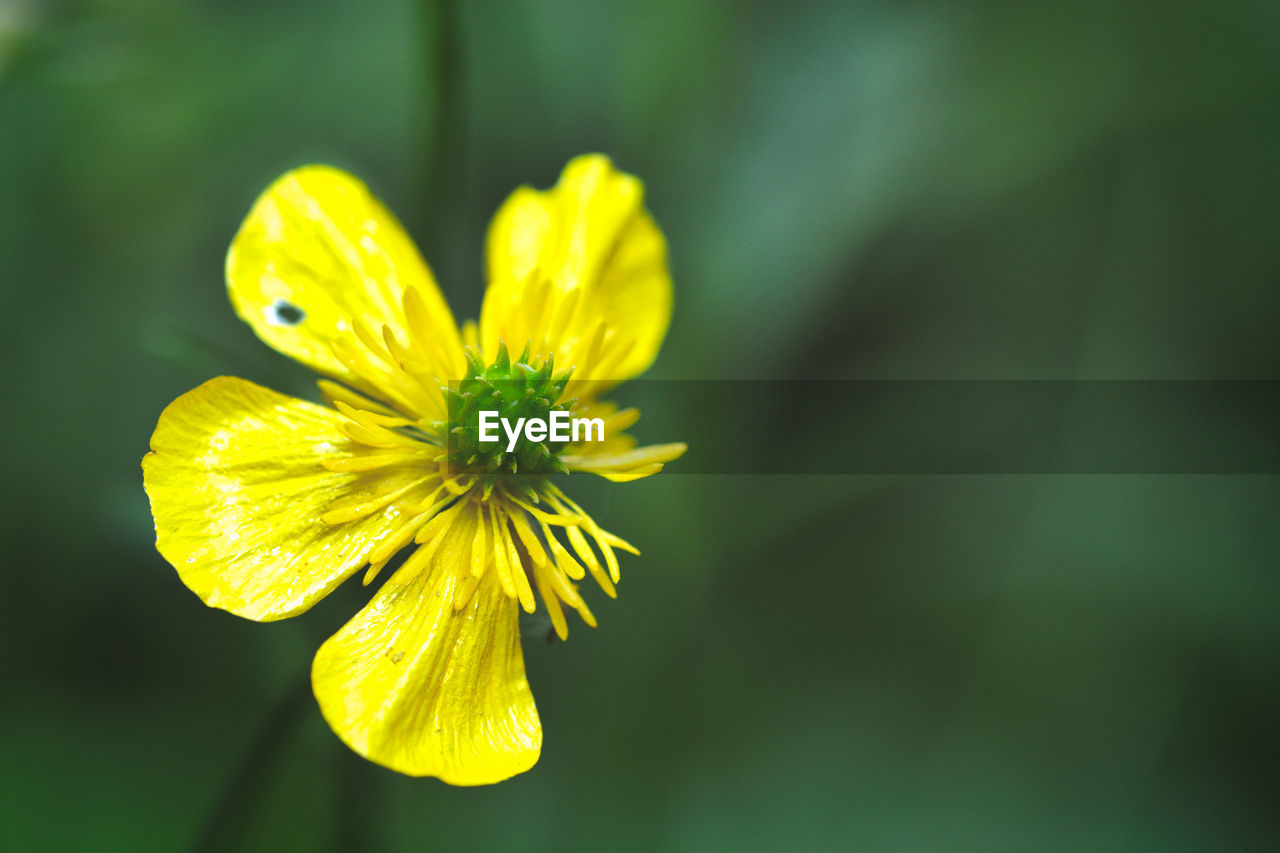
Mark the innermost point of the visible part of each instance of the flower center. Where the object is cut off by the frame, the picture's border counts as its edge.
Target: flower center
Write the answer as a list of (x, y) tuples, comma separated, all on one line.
[(520, 392)]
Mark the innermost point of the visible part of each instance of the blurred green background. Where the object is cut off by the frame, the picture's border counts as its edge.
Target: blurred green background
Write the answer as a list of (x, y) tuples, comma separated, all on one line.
[(850, 190)]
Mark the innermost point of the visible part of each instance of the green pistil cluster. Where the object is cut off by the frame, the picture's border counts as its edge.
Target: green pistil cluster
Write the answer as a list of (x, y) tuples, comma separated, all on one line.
[(515, 390)]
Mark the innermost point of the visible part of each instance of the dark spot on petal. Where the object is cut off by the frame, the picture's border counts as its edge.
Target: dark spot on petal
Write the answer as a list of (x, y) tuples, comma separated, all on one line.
[(282, 313)]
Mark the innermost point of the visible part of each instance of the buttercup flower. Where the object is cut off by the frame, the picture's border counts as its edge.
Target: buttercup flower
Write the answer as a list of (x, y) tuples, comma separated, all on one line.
[(265, 503)]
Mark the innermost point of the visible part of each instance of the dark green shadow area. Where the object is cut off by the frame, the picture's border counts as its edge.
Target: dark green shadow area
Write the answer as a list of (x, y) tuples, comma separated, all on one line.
[(816, 659)]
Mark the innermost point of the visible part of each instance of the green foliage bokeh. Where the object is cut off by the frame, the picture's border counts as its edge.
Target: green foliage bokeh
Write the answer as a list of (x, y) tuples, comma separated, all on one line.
[(850, 190)]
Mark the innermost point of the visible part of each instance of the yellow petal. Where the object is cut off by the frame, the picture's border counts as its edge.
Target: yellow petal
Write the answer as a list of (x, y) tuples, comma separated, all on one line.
[(427, 690), (625, 466), (317, 256), (237, 489), (579, 271)]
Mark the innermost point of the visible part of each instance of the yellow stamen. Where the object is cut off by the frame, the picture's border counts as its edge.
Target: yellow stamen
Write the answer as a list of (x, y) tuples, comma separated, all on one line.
[(372, 461), (478, 554), (579, 543), (371, 419), (545, 517), (529, 539), (433, 528), (375, 436), (350, 509), (464, 590), (500, 554), (563, 558), (388, 547), (553, 605), (333, 392), (518, 575)]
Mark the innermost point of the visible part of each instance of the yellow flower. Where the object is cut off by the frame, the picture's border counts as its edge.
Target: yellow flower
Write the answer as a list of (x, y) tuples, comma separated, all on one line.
[(265, 503)]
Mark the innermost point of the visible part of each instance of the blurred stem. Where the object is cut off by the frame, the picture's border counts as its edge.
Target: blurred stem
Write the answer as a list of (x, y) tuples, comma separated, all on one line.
[(225, 827), (442, 171)]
